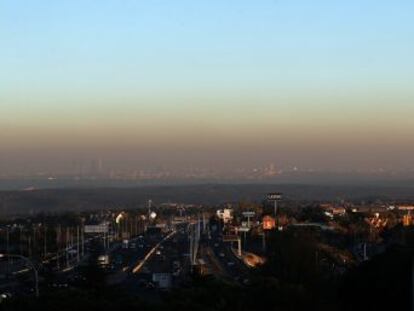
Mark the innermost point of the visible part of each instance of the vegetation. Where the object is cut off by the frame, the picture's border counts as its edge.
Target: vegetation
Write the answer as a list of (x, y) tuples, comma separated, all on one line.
[(292, 279)]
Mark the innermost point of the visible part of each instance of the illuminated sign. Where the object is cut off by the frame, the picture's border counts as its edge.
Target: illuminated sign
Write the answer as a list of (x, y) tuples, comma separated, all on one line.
[(96, 228), (276, 196), (269, 223), (249, 214), (243, 229)]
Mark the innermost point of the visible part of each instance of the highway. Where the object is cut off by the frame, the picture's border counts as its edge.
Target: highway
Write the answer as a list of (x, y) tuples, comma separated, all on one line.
[(134, 265), (166, 254), (225, 263)]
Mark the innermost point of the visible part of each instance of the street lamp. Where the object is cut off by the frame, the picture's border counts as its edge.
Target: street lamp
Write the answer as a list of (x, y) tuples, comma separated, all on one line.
[(29, 263)]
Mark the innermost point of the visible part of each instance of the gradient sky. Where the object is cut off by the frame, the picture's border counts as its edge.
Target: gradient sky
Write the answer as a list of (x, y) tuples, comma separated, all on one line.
[(323, 84)]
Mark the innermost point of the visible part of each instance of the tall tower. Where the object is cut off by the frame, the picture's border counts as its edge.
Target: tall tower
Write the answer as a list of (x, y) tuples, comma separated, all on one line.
[(99, 166)]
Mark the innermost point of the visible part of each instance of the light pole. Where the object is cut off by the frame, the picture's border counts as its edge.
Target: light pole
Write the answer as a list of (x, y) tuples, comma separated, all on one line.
[(29, 263), (275, 212), (275, 197)]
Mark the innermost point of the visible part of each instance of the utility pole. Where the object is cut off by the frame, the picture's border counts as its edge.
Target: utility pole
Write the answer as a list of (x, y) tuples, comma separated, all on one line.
[(67, 247), (83, 240), (149, 208), (29, 246), (8, 243), (77, 244), (34, 241), (204, 223), (21, 239), (264, 241), (8, 247), (45, 242), (58, 247), (365, 252), (275, 213), (191, 248)]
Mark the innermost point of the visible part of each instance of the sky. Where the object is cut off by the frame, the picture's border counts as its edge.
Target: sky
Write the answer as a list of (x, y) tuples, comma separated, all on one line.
[(321, 84)]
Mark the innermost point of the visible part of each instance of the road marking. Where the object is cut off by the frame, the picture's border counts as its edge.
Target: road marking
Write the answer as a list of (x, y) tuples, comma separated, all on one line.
[(151, 252)]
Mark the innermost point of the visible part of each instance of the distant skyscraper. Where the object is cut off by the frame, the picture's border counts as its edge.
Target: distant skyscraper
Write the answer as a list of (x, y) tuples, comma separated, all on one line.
[(99, 167), (271, 170), (96, 167)]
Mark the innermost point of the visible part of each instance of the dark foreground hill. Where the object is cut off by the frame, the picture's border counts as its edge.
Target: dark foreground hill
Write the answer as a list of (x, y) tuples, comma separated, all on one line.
[(59, 200)]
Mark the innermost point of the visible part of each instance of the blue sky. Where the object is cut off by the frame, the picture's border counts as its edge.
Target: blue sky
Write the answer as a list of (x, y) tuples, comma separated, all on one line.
[(237, 69)]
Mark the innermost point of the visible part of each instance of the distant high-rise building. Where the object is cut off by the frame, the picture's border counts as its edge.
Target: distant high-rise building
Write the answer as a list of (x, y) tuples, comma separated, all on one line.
[(99, 166), (96, 167), (270, 170)]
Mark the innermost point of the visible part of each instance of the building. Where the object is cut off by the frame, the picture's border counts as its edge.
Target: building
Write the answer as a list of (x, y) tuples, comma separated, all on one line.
[(225, 214), (332, 210), (162, 280), (269, 223)]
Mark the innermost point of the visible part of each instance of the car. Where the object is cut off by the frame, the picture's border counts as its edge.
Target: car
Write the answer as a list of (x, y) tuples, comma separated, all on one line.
[(222, 255), (145, 270), (142, 283), (5, 296), (150, 285)]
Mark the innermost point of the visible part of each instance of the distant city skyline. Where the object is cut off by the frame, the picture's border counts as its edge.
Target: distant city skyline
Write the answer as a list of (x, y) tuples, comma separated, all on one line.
[(317, 84), (99, 169)]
